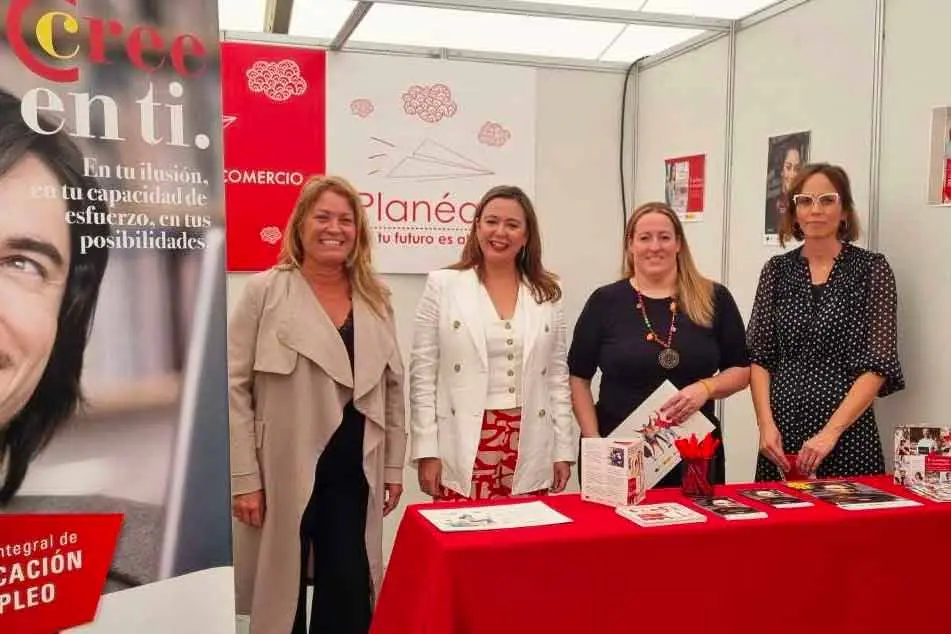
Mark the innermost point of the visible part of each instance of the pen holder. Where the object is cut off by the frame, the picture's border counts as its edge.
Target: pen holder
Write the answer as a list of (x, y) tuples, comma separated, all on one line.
[(695, 478)]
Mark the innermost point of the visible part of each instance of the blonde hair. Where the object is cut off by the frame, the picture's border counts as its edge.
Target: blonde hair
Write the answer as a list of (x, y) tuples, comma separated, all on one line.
[(359, 266), (694, 291)]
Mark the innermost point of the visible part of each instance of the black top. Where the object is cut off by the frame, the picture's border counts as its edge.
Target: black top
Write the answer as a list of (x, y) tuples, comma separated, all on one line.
[(816, 342), (610, 336), (342, 458)]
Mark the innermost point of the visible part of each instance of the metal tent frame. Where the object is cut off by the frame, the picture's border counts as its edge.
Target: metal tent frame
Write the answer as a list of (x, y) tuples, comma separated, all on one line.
[(278, 13)]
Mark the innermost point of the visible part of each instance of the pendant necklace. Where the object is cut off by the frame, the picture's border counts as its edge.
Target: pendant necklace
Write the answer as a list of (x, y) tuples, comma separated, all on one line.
[(668, 358)]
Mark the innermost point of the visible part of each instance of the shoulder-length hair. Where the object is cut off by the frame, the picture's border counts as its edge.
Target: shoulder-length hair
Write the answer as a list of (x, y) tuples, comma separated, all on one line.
[(359, 265), (849, 227), (543, 283), (58, 393), (694, 291)]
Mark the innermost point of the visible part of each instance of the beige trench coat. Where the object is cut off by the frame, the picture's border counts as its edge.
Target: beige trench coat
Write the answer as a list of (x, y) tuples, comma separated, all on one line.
[(289, 380)]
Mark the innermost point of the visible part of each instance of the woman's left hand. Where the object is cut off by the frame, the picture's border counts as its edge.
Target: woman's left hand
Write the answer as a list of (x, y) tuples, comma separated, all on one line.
[(562, 473), (685, 403), (815, 450), (391, 497)]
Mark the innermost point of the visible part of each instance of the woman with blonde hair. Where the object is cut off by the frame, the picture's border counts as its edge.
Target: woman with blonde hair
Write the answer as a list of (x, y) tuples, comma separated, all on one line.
[(490, 407), (662, 321), (316, 411)]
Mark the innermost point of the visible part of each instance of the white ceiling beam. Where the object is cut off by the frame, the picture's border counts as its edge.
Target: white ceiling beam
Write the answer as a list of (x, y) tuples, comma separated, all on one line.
[(571, 12), (539, 61), (677, 50), (769, 11), (766, 13), (278, 16), (350, 25)]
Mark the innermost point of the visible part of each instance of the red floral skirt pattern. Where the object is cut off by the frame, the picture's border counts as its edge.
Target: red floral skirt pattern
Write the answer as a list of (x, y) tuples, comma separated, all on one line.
[(496, 458)]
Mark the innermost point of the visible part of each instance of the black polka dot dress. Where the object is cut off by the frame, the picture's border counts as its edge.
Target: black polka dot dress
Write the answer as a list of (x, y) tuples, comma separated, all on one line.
[(815, 341)]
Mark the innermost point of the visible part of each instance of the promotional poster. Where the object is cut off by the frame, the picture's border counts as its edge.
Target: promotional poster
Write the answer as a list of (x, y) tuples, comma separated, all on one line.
[(420, 139), (114, 479), (686, 186), (423, 140), (787, 155)]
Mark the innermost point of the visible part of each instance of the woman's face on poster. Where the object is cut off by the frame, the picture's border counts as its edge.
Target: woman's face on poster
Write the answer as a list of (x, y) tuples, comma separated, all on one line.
[(792, 165), (34, 266)]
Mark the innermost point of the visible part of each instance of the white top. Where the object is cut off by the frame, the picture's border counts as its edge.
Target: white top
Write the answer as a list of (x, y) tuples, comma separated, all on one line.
[(503, 339)]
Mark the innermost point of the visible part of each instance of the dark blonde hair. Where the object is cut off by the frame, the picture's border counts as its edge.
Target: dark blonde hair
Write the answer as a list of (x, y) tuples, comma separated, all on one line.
[(359, 264), (543, 283), (848, 228), (694, 291)]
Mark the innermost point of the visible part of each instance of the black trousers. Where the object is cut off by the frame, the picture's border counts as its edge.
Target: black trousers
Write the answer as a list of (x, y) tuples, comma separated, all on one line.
[(333, 528)]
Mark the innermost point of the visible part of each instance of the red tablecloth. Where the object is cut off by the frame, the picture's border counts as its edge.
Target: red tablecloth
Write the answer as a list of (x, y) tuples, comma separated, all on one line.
[(811, 570)]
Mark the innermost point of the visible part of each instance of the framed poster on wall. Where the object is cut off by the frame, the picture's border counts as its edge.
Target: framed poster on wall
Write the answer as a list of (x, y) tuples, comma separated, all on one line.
[(685, 186), (939, 172), (786, 156)]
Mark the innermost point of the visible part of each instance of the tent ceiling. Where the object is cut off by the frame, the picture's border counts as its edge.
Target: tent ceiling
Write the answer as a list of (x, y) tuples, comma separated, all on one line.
[(591, 32)]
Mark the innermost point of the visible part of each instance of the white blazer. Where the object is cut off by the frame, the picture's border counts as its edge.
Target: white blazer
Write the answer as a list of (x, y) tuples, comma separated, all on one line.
[(449, 383)]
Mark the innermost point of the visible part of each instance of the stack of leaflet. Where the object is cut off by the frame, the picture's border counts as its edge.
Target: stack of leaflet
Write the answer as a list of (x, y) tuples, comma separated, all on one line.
[(936, 492), (663, 514)]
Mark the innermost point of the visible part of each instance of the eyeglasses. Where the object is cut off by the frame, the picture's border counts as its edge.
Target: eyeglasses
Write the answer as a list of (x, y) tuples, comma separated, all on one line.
[(806, 201)]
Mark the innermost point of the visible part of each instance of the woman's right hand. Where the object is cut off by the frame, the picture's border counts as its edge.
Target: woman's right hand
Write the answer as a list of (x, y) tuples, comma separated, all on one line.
[(249, 508), (430, 476), (771, 445)]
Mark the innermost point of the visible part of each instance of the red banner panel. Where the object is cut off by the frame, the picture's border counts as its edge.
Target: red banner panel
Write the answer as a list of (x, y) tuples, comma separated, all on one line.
[(52, 569), (274, 106)]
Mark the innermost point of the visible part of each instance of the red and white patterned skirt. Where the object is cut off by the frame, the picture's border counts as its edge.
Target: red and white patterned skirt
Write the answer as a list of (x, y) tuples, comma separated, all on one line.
[(496, 458)]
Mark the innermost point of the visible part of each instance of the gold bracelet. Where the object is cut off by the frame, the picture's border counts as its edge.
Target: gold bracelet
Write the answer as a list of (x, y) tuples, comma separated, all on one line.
[(706, 384)]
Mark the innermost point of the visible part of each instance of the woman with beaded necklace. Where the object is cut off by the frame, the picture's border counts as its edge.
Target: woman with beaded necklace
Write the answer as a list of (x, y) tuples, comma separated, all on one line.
[(662, 321)]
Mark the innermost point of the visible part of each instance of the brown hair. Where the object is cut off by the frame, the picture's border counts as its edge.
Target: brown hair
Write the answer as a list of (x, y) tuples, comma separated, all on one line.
[(543, 283), (694, 291), (359, 264), (848, 228)]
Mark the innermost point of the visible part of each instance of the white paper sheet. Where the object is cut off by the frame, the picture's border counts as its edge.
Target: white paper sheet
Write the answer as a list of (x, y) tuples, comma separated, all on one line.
[(496, 517)]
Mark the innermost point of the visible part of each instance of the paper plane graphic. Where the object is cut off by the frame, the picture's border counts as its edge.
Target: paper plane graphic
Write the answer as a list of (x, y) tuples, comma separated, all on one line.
[(434, 161), (227, 120)]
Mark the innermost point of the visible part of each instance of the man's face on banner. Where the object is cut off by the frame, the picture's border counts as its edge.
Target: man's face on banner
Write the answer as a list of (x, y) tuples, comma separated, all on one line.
[(34, 264)]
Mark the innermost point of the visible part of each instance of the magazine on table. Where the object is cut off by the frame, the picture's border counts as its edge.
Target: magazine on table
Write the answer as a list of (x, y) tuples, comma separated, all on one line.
[(933, 492), (494, 517), (851, 496), (661, 514), (923, 461), (775, 498), (729, 509), (659, 434)]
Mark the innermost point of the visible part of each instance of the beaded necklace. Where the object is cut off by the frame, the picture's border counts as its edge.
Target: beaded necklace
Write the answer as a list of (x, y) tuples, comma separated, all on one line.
[(668, 358)]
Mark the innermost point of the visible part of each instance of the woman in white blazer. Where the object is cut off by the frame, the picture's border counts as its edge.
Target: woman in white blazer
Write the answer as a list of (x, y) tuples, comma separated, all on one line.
[(489, 395)]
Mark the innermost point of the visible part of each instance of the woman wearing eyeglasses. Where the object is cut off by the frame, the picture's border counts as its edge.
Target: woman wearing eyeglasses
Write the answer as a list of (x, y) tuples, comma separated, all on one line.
[(822, 338)]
